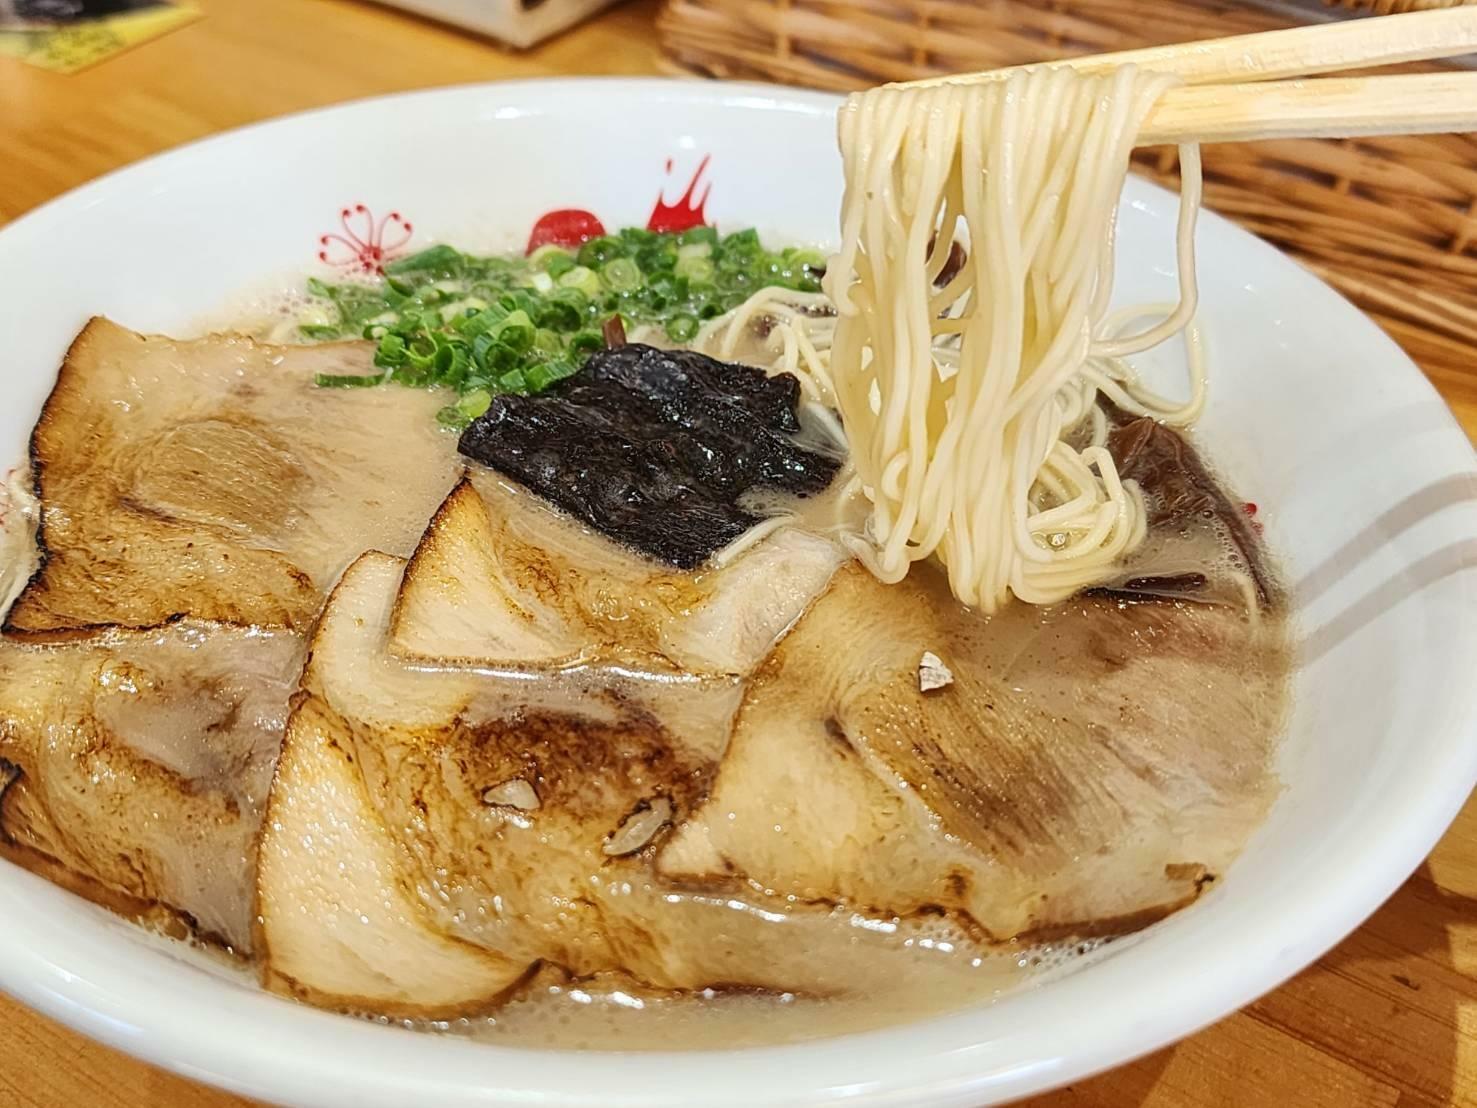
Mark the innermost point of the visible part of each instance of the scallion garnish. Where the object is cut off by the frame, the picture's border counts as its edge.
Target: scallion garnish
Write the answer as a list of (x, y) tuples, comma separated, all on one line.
[(483, 326), (348, 380)]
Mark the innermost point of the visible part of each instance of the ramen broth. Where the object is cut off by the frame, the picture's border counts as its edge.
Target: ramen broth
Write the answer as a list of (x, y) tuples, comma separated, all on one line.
[(598, 1016), (1135, 712)]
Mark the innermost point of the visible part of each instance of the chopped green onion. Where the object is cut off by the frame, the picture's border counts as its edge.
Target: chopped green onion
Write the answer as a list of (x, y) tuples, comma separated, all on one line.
[(746, 238), (476, 323), (480, 326), (546, 253), (516, 332), (563, 312), (347, 380), (736, 281), (475, 403), (801, 257), (391, 352), (540, 377), (681, 328), (657, 257), (559, 265), (453, 417), (587, 342), (621, 274), (519, 300), (698, 234), (696, 269), (598, 251), (441, 258), (582, 278)]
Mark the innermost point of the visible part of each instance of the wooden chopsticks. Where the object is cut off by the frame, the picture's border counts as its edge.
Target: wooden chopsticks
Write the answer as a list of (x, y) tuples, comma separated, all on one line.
[(1334, 107), (1237, 89)]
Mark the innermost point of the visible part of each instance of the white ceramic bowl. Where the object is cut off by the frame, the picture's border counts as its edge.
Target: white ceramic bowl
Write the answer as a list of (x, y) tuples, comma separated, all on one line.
[(1366, 483)]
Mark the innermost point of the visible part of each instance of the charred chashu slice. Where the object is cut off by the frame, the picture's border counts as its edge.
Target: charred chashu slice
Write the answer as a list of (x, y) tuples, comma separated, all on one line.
[(212, 479), (1087, 769), (340, 926), (433, 835), (140, 763), (501, 578)]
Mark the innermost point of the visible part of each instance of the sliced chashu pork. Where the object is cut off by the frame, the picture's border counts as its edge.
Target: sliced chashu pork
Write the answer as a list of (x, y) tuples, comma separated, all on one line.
[(212, 479), (1088, 768), (501, 578), (139, 763), (433, 835), (341, 927)]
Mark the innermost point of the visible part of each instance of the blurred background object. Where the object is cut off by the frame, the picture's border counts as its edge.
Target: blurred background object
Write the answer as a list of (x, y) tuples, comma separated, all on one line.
[(518, 23), (68, 35), (1390, 222), (31, 13)]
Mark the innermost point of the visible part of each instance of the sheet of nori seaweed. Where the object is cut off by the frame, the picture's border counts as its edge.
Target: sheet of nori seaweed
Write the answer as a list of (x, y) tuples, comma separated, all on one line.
[(655, 448)]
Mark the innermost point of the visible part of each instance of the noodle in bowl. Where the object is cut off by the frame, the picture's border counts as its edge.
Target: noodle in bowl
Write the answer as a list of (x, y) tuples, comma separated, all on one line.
[(1366, 486)]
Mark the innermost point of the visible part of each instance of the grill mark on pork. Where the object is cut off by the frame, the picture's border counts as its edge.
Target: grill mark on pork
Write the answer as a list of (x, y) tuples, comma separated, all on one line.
[(10, 773), (837, 734), (37, 457), (566, 756)]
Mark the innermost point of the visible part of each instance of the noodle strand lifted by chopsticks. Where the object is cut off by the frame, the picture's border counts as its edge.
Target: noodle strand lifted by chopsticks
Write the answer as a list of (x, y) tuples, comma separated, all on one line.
[(974, 463), (962, 405)]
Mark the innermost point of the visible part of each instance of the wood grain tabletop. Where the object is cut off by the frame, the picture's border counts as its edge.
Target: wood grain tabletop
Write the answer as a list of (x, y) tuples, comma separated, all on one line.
[(1388, 1018)]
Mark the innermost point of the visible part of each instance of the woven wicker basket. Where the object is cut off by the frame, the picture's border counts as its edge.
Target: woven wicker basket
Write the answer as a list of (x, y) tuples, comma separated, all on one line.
[(1390, 222)]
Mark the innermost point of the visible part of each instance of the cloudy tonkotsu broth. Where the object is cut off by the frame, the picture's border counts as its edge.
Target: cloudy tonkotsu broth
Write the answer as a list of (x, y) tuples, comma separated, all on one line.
[(659, 640)]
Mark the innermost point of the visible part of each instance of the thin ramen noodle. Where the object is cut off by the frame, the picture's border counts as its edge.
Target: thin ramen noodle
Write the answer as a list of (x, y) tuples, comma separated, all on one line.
[(971, 409)]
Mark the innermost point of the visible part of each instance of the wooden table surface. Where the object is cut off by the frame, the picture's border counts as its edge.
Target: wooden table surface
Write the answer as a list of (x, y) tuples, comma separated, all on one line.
[(1389, 1018)]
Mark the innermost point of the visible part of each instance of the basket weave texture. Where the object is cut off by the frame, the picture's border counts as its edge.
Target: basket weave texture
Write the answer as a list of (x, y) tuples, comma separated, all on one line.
[(1391, 222)]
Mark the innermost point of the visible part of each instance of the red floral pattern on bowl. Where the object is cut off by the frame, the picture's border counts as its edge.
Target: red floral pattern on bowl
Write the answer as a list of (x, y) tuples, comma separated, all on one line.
[(366, 244)]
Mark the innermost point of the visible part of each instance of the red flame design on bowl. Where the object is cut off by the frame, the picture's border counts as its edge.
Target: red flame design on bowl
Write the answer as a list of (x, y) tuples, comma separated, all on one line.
[(366, 243), (687, 212)]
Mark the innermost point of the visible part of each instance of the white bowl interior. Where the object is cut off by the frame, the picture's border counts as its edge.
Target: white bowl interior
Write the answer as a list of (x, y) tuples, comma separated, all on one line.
[(1366, 484)]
